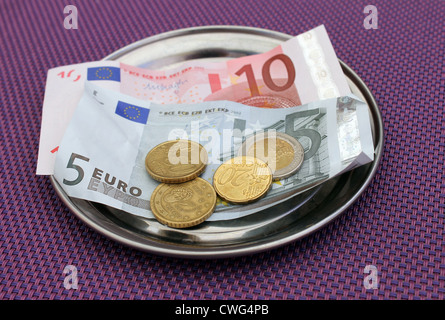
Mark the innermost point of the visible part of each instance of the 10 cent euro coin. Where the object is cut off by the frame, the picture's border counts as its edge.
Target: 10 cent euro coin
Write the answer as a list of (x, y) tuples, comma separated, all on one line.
[(242, 179)]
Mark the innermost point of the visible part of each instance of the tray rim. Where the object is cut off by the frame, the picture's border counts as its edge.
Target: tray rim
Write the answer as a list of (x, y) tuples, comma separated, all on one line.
[(212, 252)]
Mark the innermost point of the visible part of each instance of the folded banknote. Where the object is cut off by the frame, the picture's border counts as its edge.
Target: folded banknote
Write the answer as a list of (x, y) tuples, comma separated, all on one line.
[(101, 157), (301, 70)]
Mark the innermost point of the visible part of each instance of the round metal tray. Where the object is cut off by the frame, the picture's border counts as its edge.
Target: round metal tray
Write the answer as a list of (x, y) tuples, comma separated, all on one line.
[(281, 224)]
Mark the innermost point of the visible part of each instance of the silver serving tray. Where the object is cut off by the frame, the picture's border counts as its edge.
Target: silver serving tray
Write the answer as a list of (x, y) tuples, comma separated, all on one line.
[(273, 227)]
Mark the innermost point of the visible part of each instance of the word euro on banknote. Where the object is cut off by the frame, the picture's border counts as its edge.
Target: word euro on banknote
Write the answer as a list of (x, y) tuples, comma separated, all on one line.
[(102, 155), (300, 70)]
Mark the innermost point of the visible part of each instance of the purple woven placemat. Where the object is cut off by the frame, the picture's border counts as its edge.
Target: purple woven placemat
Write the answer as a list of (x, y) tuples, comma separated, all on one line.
[(396, 226)]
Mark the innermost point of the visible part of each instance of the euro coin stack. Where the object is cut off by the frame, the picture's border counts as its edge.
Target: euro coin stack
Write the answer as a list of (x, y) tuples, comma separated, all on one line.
[(184, 200)]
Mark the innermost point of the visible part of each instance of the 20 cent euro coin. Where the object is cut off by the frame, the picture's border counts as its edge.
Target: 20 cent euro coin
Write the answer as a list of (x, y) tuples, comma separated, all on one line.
[(176, 161), (183, 205)]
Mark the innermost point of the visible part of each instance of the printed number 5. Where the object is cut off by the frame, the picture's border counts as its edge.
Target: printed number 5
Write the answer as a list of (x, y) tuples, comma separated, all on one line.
[(75, 167)]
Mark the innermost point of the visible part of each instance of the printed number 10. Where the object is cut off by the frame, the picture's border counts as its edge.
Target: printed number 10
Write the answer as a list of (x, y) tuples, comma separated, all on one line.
[(267, 77)]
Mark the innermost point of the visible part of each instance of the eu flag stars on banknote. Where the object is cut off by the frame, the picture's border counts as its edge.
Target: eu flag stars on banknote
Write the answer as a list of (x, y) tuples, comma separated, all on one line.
[(104, 73), (132, 112)]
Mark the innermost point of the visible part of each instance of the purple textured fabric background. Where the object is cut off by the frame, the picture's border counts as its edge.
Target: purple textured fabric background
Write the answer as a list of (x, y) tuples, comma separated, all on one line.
[(397, 225)]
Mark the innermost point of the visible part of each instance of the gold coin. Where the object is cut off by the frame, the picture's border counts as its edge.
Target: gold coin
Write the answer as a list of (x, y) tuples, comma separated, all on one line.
[(282, 152), (176, 161), (242, 179), (183, 205)]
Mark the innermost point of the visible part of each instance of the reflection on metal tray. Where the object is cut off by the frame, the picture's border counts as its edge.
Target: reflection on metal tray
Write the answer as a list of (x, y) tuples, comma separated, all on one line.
[(273, 227)]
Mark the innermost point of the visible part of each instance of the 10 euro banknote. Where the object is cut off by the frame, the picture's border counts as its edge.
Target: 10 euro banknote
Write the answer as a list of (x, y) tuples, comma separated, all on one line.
[(299, 71)]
